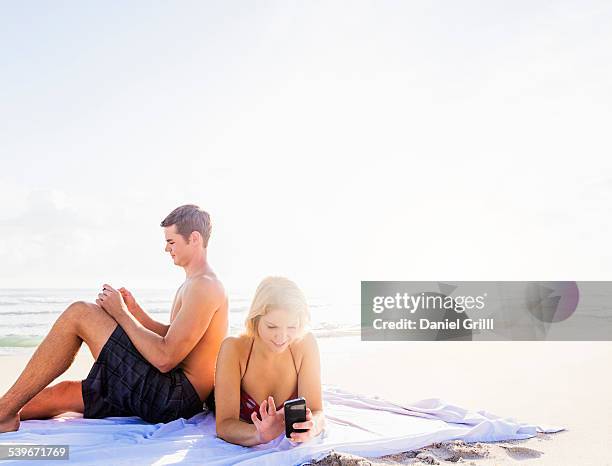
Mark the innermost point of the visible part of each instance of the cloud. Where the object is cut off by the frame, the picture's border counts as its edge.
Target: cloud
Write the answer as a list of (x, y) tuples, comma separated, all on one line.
[(46, 238)]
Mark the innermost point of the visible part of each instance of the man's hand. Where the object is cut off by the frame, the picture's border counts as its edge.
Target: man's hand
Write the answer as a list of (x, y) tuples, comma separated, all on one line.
[(128, 299), (111, 301)]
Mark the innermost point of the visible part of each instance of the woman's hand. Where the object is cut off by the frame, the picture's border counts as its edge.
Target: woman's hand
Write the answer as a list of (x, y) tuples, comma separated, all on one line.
[(272, 422), (129, 299), (314, 424)]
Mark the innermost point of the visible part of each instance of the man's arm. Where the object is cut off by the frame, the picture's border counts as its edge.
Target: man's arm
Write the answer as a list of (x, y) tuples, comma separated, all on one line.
[(199, 303), (141, 315), (149, 323)]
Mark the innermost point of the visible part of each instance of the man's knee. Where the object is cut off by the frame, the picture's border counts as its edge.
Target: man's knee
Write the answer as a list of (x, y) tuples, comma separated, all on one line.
[(84, 313), (80, 309), (91, 323)]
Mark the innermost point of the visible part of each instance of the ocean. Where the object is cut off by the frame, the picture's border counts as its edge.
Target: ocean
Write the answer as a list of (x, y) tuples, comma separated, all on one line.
[(26, 315)]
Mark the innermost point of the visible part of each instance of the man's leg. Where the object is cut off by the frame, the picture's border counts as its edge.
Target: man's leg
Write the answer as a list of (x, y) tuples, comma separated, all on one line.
[(79, 322), (56, 399)]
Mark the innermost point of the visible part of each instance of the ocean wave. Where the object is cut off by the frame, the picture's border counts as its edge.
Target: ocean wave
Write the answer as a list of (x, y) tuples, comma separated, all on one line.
[(29, 312), (149, 302), (5, 301), (20, 341), (333, 329), (338, 332), (238, 309), (24, 325)]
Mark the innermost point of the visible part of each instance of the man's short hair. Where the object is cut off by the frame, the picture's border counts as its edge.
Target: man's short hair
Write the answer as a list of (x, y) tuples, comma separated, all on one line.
[(189, 218)]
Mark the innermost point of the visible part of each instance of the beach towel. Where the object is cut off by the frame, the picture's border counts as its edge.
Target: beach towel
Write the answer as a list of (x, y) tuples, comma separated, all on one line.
[(356, 424)]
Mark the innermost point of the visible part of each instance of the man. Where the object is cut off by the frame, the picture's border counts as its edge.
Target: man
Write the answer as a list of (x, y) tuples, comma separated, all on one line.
[(144, 368)]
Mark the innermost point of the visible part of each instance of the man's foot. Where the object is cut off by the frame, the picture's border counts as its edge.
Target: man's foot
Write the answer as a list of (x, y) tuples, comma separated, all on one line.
[(9, 423)]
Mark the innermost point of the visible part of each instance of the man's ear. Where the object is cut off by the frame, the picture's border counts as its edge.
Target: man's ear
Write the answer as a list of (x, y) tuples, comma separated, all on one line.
[(195, 237)]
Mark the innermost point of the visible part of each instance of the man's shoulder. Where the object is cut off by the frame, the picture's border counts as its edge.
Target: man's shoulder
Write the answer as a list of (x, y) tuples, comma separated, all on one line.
[(204, 293), (208, 286)]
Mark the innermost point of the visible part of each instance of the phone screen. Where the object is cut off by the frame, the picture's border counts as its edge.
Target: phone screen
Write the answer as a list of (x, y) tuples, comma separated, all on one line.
[(295, 411)]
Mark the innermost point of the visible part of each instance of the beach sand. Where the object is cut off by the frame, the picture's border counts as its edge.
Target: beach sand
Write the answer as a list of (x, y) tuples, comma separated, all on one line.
[(547, 383)]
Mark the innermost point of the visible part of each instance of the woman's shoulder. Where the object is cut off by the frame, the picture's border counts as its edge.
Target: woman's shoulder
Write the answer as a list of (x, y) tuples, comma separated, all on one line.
[(307, 343), (235, 346)]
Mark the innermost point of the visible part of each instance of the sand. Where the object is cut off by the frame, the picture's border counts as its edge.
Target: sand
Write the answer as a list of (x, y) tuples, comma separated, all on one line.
[(547, 383)]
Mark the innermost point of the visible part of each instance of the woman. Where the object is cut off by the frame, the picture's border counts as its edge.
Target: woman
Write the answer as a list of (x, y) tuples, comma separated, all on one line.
[(274, 361)]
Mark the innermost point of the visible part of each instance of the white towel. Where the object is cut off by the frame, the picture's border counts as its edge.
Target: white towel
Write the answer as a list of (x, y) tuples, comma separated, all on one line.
[(356, 424)]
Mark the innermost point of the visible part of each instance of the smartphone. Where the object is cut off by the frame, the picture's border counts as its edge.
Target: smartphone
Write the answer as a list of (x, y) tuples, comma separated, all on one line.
[(295, 411)]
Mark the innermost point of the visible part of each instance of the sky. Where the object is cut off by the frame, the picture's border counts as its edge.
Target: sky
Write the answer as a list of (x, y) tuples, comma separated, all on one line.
[(331, 142)]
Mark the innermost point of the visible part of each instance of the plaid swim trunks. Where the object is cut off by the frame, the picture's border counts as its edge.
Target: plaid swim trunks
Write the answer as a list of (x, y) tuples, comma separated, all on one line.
[(123, 383)]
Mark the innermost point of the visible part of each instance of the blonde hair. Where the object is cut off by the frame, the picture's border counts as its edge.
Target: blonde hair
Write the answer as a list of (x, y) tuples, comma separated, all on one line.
[(277, 293)]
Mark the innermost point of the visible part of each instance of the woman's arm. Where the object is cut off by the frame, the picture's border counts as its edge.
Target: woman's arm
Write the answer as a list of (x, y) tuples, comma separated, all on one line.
[(227, 403), (309, 387)]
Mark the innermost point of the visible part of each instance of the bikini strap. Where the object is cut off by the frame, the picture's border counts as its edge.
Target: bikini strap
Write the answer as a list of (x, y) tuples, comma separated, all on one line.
[(293, 359), (246, 366)]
